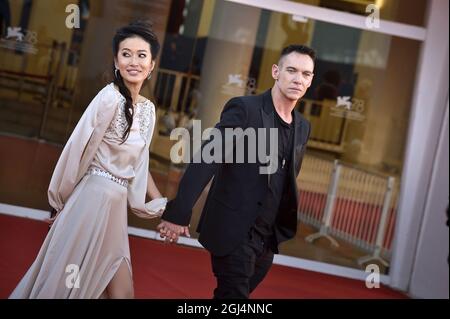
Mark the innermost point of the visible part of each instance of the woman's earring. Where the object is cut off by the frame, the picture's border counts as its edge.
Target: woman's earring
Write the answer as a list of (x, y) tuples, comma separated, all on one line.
[(149, 76), (115, 73)]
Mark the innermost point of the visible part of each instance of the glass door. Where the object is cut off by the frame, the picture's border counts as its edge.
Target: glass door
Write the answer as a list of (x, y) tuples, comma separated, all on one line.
[(359, 107)]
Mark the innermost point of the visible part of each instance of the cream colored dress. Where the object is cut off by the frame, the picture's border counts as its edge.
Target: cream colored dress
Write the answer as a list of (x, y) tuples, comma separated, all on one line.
[(89, 237)]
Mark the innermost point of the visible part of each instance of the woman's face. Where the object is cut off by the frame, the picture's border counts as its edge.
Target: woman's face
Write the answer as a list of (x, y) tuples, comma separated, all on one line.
[(134, 60)]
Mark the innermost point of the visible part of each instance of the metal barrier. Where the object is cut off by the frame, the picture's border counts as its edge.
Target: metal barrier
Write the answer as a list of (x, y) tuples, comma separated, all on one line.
[(349, 203)]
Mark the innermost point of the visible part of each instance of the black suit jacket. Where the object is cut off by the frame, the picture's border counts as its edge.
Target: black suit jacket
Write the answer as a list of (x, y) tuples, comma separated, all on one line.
[(238, 189)]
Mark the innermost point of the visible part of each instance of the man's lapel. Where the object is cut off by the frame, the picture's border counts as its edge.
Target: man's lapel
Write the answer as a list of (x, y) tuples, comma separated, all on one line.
[(294, 156), (268, 119), (297, 139)]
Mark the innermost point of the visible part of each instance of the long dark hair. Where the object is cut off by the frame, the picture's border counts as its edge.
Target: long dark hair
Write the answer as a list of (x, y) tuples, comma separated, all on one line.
[(144, 30)]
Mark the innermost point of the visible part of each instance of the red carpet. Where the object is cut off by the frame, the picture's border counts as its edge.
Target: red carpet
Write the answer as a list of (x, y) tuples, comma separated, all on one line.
[(169, 271)]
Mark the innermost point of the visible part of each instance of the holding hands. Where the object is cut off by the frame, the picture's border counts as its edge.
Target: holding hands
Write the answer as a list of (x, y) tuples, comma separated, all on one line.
[(171, 231), (167, 230)]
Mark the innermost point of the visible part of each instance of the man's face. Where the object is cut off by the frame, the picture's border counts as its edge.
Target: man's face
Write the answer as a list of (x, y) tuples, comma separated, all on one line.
[(293, 75)]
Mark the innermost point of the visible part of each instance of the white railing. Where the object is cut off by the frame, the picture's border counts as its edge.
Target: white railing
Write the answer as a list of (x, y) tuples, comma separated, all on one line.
[(173, 90), (348, 203)]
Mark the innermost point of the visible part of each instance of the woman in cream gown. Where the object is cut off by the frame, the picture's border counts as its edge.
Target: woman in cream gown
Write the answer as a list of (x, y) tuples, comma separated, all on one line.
[(102, 167)]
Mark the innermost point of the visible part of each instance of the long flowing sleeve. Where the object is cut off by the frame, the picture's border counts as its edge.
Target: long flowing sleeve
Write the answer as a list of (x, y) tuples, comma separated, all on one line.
[(81, 147), (137, 189)]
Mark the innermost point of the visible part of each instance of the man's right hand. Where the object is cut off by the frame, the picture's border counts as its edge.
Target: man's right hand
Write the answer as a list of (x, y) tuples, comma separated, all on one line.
[(171, 231)]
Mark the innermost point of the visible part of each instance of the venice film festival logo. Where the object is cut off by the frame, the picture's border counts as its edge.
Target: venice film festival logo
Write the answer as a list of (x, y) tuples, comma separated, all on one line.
[(23, 40), (239, 84), (346, 107), (19, 39)]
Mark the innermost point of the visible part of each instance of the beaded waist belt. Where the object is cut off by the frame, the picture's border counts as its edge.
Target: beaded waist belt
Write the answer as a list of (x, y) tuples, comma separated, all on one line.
[(108, 175)]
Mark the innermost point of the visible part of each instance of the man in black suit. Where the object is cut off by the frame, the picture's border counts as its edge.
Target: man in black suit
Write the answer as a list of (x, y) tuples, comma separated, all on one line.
[(248, 213)]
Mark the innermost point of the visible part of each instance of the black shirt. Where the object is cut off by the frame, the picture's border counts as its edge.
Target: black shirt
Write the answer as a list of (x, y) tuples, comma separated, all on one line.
[(279, 180)]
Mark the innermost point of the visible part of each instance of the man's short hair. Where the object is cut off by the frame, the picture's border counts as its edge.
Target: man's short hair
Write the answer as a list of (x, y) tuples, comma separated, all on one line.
[(302, 49)]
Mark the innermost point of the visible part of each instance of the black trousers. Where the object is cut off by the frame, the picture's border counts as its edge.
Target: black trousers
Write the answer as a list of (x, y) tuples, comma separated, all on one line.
[(240, 272)]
